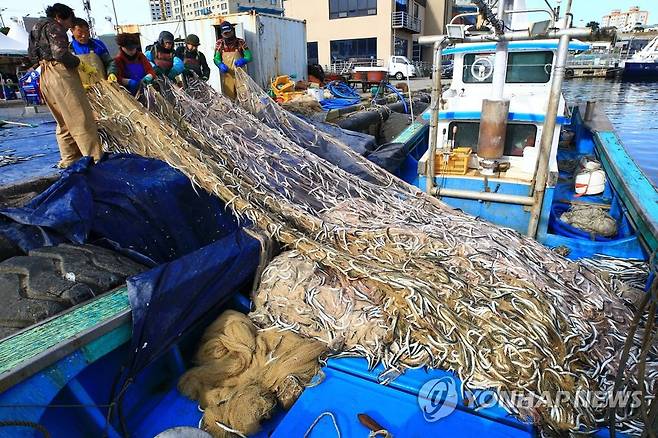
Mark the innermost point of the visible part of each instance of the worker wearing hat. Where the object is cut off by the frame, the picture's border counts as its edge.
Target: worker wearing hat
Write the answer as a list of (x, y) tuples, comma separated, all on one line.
[(77, 133), (162, 57), (231, 52), (131, 68), (193, 60)]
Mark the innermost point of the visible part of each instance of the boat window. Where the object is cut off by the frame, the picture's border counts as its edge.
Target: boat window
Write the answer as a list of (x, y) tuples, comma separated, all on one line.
[(518, 136), (532, 67), (522, 67)]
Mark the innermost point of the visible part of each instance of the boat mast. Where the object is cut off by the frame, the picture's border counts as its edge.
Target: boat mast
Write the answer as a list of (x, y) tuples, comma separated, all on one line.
[(548, 131)]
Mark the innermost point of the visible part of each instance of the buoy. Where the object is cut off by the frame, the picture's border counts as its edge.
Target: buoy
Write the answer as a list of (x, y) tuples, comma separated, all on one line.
[(590, 178)]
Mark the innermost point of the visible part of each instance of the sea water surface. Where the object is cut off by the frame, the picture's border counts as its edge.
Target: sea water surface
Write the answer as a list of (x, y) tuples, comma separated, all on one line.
[(633, 110)]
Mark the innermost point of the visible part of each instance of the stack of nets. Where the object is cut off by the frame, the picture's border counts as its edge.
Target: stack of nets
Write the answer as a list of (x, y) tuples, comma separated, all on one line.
[(242, 373), (497, 308)]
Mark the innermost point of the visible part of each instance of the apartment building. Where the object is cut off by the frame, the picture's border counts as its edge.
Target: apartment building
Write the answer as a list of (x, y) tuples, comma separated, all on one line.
[(625, 21), (160, 10), (199, 8), (338, 30)]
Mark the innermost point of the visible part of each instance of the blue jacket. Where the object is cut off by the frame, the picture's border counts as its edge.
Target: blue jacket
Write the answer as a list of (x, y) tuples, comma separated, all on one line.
[(95, 46)]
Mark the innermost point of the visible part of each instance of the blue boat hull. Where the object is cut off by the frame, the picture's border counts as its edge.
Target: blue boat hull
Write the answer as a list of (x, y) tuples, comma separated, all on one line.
[(641, 71)]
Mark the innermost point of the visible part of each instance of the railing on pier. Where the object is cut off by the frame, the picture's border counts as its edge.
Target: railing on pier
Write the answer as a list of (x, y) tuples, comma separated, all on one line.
[(594, 61), (346, 66)]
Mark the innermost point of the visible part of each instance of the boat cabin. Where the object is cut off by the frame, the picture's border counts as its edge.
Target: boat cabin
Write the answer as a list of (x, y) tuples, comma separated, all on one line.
[(501, 190)]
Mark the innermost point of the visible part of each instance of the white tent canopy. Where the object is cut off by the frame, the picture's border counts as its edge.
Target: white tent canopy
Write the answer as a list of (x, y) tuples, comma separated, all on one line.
[(18, 33), (10, 46)]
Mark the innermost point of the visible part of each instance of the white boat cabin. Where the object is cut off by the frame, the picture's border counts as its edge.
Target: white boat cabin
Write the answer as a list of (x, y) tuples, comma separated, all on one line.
[(527, 86)]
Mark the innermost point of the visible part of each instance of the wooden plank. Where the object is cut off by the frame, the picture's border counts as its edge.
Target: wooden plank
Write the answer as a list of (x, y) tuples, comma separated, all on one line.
[(57, 336), (635, 189)]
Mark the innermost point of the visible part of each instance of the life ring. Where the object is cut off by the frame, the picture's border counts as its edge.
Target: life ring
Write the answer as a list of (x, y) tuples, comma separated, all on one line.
[(569, 73)]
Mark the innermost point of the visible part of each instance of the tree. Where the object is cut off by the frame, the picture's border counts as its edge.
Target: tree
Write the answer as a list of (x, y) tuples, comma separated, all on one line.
[(594, 25)]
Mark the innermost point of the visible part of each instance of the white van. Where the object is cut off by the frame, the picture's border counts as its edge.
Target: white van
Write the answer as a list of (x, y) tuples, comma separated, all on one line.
[(399, 67)]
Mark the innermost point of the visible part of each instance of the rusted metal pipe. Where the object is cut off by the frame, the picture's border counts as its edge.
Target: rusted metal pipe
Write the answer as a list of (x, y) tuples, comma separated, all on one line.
[(493, 127)]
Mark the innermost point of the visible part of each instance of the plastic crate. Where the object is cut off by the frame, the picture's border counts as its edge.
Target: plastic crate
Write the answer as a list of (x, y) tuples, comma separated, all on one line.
[(457, 163), (30, 88)]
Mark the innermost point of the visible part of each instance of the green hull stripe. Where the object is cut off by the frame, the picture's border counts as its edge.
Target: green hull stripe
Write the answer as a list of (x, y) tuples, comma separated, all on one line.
[(38, 339)]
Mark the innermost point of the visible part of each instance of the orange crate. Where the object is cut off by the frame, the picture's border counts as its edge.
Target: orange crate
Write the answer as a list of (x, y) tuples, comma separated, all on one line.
[(457, 162)]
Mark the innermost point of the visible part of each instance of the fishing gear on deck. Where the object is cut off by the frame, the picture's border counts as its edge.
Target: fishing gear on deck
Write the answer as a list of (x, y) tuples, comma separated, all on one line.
[(499, 309)]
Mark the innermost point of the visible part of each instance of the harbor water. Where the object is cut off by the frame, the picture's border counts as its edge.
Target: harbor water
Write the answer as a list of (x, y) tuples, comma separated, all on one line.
[(633, 110)]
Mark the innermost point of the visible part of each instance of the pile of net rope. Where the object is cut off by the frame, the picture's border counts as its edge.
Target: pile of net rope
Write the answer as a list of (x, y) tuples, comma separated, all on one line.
[(497, 308), (243, 373)]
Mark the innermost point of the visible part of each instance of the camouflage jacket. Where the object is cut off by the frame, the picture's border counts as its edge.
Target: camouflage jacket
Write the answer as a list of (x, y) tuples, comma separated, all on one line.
[(49, 42)]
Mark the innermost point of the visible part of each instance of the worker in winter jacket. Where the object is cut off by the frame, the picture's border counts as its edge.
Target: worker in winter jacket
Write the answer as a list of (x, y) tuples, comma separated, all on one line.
[(89, 50), (131, 68), (193, 60), (61, 87), (231, 52), (162, 57)]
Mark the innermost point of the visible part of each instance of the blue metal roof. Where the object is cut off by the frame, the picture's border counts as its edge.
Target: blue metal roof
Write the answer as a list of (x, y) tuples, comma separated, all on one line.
[(514, 46)]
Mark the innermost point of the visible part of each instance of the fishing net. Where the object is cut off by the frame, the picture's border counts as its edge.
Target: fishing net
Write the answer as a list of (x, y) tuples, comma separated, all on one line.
[(497, 308), (243, 373), (591, 219), (346, 316)]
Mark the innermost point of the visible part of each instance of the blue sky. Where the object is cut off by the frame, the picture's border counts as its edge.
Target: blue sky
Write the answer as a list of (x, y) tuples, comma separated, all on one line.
[(137, 11)]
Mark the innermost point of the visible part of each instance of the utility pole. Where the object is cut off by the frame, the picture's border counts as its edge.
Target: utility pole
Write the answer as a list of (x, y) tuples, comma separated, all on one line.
[(116, 20), (86, 4), (182, 15)]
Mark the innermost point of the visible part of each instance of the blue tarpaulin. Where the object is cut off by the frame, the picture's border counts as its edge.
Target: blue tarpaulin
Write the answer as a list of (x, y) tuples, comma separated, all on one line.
[(154, 214), (129, 202), (172, 296)]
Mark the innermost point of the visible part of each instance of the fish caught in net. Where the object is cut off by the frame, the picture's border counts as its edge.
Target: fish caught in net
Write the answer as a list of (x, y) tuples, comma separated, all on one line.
[(499, 309)]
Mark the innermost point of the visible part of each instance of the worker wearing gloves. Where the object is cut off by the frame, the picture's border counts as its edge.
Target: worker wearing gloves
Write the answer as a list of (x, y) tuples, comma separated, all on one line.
[(77, 134), (91, 51), (231, 52), (193, 60), (162, 57), (131, 68)]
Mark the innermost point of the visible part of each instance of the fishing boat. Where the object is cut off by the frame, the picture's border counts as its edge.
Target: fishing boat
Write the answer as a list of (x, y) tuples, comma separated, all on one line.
[(643, 65), (109, 366), (501, 189)]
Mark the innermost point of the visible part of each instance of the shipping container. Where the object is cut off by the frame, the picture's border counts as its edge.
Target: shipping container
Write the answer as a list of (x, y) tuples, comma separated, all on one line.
[(277, 43)]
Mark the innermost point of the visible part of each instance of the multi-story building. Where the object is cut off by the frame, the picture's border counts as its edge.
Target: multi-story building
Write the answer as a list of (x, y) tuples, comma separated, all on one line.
[(338, 30), (625, 21), (198, 8), (160, 10)]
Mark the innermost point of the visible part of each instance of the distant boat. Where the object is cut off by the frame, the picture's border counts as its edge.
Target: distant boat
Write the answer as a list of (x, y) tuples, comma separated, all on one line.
[(643, 64)]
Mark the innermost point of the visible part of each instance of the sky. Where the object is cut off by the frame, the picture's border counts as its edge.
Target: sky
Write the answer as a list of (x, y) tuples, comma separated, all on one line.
[(137, 11)]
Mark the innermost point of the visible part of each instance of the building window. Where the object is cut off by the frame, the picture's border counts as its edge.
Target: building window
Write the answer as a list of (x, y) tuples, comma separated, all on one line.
[(518, 136), (363, 48), (522, 67), (416, 52), (401, 46), (312, 53), (352, 8)]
